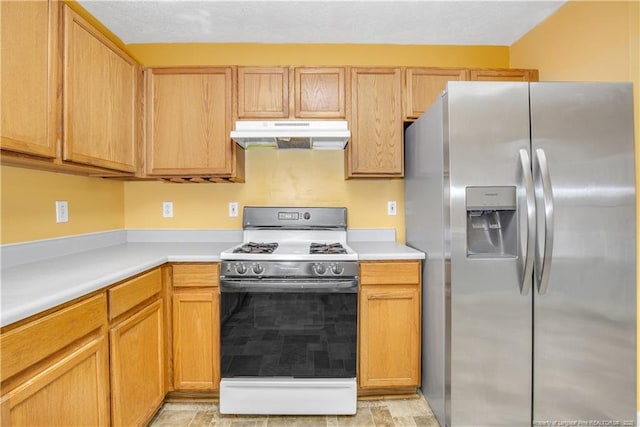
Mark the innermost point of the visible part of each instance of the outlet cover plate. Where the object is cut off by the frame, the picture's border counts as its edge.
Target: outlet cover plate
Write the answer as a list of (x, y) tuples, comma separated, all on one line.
[(392, 208), (62, 211), (233, 209), (167, 209)]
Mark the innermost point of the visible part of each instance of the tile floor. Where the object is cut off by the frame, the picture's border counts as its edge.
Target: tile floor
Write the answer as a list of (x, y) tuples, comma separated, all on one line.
[(388, 413)]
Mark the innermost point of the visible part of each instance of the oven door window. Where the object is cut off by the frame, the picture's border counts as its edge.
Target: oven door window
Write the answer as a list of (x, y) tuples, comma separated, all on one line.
[(292, 334)]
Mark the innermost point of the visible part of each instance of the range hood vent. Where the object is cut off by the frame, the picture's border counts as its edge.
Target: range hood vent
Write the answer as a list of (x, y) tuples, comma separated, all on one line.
[(312, 134)]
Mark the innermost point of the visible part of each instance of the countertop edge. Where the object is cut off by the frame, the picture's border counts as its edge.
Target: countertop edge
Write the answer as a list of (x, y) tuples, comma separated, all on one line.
[(141, 257)]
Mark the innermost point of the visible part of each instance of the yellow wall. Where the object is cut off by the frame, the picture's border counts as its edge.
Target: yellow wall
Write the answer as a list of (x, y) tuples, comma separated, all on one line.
[(589, 41), (287, 177), (318, 54), (274, 177), (28, 204)]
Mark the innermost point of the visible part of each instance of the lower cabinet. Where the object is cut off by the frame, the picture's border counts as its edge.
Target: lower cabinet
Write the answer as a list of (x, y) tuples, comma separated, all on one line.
[(389, 328), (137, 377), (136, 342), (70, 392), (55, 369), (196, 327)]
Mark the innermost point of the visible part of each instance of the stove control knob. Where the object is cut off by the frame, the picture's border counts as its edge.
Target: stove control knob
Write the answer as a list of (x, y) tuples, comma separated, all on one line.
[(337, 269), (241, 268), (306, 216), (319, 269), (258, 269)]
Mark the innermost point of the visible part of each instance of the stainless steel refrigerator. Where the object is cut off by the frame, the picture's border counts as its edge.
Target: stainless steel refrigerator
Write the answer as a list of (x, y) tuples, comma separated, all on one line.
[(522, 195)]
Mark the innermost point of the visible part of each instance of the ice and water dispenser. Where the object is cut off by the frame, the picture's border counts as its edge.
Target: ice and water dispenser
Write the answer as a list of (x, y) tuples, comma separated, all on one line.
[(491, 222)]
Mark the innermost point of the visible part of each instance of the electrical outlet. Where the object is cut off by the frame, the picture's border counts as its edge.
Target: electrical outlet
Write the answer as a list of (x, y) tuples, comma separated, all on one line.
[(391, 207), (62, 211), (233, 208), (167, 209)]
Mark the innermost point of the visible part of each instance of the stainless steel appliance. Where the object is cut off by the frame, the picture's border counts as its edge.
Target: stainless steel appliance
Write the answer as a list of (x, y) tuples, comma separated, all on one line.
[(522, 195), (289, 302)]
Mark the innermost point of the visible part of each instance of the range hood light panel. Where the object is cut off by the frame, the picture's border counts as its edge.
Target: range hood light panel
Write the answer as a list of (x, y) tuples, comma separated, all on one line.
[(317, 135)]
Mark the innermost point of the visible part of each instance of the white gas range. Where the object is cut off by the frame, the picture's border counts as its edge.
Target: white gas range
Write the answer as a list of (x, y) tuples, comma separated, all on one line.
[(289, 314)]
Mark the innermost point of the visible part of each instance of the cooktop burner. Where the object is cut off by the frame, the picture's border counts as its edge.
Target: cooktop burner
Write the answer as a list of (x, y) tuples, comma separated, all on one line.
[(256, 248), (327, 248)]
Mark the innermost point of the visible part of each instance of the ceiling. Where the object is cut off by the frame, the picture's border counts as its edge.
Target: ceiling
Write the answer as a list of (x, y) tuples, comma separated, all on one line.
[(422, 22)]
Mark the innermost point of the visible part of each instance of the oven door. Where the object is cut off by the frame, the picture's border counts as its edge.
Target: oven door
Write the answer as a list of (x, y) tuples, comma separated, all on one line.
[(288, 328)]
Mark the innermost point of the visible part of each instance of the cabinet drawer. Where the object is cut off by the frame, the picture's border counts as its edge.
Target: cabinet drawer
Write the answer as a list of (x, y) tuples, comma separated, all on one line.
[(196, 275), (32, 342), (391, 272), (131, 293)]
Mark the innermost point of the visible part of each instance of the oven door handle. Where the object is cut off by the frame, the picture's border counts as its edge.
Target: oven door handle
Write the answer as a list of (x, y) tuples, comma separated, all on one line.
[(275, 285)]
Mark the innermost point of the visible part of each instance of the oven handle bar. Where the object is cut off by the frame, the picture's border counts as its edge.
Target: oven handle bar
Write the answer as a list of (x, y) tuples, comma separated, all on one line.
[(275, 285)]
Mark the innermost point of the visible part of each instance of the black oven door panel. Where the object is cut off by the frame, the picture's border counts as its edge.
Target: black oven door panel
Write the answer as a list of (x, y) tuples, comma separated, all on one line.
[(288, 334)]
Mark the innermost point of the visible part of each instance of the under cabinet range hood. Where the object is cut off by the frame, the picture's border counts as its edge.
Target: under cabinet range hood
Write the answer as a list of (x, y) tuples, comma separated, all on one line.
[(310, 134)]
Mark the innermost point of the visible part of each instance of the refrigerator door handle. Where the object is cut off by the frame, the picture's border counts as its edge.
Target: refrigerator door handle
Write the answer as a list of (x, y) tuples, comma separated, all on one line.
[(528, 249), (543, 266)]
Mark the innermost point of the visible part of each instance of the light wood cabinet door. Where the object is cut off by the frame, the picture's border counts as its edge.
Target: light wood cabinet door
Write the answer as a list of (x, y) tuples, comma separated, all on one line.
[(512, 75), (376, 148), (424, 85), (188, 120), (263, 92), (319, 92), (137, 366), (100, 93), (29, 76), (389, 325), (73, 391), (196, 340)]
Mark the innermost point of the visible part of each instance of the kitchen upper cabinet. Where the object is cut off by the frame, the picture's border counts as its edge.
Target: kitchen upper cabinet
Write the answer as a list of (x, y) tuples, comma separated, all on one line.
[(272, 93), (513, 75), (376, 145), (389, 334), (319, 93), (424, 85), (188, 122), (55, 368), (136, 349), (101, 99), (196, 327), (263, 93), (29, 34)]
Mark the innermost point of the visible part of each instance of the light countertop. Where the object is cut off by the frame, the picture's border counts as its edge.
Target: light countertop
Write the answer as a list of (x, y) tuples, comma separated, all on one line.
[(31, 288), (368, 251), (28, 289)]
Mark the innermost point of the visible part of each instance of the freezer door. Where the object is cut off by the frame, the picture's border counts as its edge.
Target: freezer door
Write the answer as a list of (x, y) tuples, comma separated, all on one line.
[(488, 308), (585, 299)]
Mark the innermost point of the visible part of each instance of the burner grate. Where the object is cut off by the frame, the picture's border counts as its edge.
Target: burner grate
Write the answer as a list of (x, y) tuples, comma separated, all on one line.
[(256, 248), (327, 248)]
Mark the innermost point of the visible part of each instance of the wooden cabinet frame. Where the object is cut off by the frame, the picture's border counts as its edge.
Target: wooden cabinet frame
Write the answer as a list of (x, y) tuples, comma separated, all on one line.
[(376, 147), (224, 157), (504, 74), (131, 397), (319, 93), (263, 92), (13, 126), (116, 154), (56, 367), (196, 318), (389, 326), (423, 85)]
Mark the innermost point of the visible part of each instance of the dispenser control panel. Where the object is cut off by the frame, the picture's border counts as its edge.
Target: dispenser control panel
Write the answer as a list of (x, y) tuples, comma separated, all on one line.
[(491, 222)]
